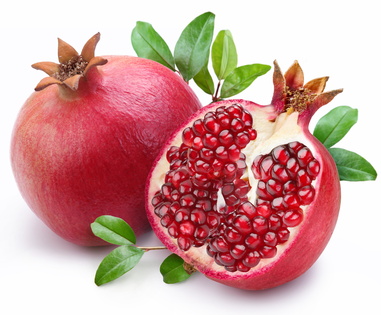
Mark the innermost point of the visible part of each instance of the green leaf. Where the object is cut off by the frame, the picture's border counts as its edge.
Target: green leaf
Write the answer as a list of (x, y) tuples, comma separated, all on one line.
[(173, 270), (113, 230), (204, 81), (224, 54), (148, 44), (193, 47), (351, 166), (332, 127), (241, 78), (117, 263)]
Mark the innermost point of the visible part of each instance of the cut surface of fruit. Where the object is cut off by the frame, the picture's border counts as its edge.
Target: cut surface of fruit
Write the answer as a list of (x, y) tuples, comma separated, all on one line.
[(243, 192)]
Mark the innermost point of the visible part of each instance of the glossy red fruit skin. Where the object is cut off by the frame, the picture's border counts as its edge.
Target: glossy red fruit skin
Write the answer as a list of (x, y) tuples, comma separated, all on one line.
[(309, 238), (79, 155)]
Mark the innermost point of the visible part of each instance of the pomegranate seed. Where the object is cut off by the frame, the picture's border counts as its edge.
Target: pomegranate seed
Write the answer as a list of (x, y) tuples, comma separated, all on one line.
[(268, 251), (260, 225), (166, 220), (281, 154), (302, 178), (242, 224), (197, 143), (224, 119), (293, 217), (242, 139), (306, 194), (188, 136), (283, 235), (313, 168), (198, 128), (225, 259), (234, 111), (187, 228), (184, 243), (212, 125), (232, 235), (207, 155), (209, 141), (182, 214), (202, 232), (253, 241), (237, 125), (187, 200), (304, 156), (251, 259), (275, 222), (238, 251), (270, 239), (221, 245)]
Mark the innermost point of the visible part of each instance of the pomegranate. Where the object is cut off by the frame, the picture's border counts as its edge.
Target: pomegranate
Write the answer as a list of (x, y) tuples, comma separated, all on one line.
[(243, 192), (84, 142)]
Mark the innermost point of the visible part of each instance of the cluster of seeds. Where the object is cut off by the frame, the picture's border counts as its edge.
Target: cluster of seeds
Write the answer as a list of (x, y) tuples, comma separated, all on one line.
[(209, 163)]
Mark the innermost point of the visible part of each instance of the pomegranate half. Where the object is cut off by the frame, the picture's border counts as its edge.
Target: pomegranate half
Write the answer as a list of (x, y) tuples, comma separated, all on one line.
[(243, 192), (84, 142)]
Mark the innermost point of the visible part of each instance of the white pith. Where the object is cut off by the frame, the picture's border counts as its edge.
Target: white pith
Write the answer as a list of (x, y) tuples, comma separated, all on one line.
[(282, 130)]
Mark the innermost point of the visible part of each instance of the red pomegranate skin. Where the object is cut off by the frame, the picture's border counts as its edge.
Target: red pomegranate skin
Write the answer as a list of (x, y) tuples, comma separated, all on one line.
[(80, 154)]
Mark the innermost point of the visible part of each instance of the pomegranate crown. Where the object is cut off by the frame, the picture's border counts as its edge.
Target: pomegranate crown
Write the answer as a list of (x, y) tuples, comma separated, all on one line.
[(291, 94), (72, 66)]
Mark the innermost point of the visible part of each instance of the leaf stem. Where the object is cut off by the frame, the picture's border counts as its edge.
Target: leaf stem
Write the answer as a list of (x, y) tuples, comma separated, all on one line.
[(148, 248), (215, 96)]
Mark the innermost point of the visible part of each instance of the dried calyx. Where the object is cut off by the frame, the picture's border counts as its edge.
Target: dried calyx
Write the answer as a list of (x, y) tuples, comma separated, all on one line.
[(72, 66)]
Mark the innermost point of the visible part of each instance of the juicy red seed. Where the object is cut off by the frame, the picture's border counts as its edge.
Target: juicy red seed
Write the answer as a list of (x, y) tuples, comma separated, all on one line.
[(289, 187), (185, 187), (184, 243), (231, 200), (247, 209), (202, 167), (207, 154), (241, 188), (209, 141), (306, 194), (291, 200), (253, 241), (197, 143), (199, 128), (252, 134), (224, 119), (237, 125), (162, 209), (172, 153), (213, 220), (283, 235), (302, 178), (270, 239), (221, 244), (234, 153), (280, 173), (266, 166), (275, 222), (274, 188), (242, 139), (188, 136), (202, 232), (212, 126), (238, 251), (187, 200), (182, 214), (247, 118), (242, 224), (225, 259), (234, 111), (263, 209), (305, 156), (198, 216), (278, 204), (260, 225), (173, 230), (227, 189), (157, 198), (204, 204), (293, 217), (251, 259), (295, 146), (268, 251), (226, 138), (313, 168), (187, 228), (281, 154), (221, 153), (166, 220), (293, 165), (232, 235)]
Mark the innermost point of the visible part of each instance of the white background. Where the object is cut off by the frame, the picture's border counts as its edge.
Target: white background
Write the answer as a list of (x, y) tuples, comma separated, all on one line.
[(44, 274)]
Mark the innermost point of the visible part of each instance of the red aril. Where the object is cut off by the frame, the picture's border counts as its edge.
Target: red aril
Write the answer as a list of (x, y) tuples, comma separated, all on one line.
[(84, 142), (264, 192)]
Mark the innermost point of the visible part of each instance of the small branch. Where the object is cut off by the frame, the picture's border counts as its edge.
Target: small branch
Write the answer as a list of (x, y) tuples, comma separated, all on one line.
[(215, 96), (152, 248)]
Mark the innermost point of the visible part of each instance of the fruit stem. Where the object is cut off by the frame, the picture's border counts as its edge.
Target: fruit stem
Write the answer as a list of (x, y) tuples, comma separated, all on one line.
[(215, 96), (151, 248)]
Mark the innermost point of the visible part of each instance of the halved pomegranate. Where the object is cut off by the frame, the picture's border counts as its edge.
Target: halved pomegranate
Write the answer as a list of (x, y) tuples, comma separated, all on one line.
[(243, 192)]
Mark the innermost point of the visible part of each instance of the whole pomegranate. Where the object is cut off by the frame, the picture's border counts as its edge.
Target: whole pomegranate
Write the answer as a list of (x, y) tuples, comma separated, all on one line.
[(84, 142), (243, 192)]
